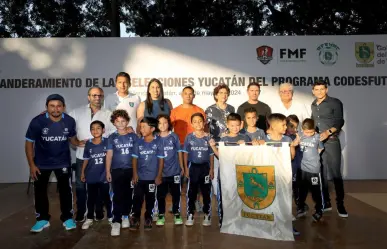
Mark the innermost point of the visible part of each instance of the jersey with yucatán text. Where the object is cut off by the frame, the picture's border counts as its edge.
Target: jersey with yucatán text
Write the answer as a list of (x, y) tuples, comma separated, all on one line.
[(122, 146), (51, 140), (198, 149), (171, 146), (310, 158), (95, 154)]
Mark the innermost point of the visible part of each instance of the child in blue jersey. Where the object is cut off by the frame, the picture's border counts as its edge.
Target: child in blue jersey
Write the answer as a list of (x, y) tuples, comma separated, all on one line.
[(199, 169), (94, 174), (119, 170), (172, 172), (310, 147), (148, 163), (251, 130), (276, 135)]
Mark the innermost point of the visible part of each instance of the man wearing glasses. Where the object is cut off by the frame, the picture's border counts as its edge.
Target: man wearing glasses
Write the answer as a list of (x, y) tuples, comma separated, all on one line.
[(83, 116), (289, 106)]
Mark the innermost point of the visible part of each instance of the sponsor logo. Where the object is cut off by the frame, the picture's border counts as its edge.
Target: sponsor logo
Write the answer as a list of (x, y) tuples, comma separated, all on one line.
[(314, 180), (256, 185), (152, 188), (176, 179), (292, 55), (328, 53), (264, 54), (206, 179), (364, 52)]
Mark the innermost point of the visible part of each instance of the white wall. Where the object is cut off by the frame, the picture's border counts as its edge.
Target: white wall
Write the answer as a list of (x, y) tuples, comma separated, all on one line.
[(364, 133)]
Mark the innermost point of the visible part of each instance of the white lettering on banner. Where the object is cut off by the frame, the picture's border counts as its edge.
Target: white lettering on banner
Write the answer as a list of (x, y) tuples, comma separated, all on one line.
[(54, 138)]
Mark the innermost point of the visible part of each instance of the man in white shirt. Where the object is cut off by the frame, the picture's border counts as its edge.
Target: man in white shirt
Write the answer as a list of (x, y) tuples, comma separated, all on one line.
[(83, 116), (123, 99), (289, 106)]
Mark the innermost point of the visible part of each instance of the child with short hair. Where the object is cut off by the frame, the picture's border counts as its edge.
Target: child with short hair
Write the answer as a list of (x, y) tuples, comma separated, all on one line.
[(199, 169), (148, 164), (119, 169), (276, 134), (172, 171), (251, 130), (310, 147), (94, 174)]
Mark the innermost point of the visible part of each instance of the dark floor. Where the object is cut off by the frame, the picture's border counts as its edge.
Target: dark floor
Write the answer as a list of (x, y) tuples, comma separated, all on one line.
[(366, 227)]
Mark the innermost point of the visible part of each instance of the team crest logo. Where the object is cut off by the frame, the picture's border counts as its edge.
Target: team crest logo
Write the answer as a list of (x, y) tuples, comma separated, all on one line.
[(264, 54), (90, 151), (140, 147), (192, 143), (154, 146), (116, 140), (131, 104), (256, 185), (45, 131), (66, 131), (364, 52), (328, 53)]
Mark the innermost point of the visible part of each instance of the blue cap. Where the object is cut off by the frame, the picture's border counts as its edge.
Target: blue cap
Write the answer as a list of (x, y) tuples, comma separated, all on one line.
[(55, 97)]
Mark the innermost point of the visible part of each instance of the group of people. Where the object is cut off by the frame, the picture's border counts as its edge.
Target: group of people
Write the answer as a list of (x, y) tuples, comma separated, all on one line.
[(128, 151)]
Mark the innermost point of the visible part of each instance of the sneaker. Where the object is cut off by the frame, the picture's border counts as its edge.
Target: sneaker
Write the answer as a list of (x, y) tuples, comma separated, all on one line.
[(116, 229), (295, 232), (317, 217), (327, 207), (160, 220), (87, 224), (80, 218), (69, 224), (148, 224), (198, 206), (178, 220), (341, 211), (39, 226), (134, 224), (190, 220), (300, 213), (125, 222), (155, 216), (207, 220)]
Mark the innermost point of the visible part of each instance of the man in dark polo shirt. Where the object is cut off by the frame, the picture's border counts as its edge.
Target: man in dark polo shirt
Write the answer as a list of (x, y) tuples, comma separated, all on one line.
[(47, 150), (263, 110), (327, 112)]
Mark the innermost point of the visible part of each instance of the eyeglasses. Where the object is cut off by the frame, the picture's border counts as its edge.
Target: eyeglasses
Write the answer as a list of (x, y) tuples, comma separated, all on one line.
[(96, 95), (286, 91)]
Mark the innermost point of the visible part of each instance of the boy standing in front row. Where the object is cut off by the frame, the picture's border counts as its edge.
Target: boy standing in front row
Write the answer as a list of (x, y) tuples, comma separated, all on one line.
[(119, 169), (94, 174), (148, 163), (199, 169), (311, 147)]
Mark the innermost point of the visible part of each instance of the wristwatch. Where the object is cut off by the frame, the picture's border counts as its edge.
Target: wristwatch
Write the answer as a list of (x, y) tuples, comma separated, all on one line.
[(330, 132)]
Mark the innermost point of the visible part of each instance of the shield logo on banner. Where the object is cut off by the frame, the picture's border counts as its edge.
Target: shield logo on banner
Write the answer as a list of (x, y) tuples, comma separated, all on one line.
[(256, 185), (364, 52), (264, 54), (131, 104)]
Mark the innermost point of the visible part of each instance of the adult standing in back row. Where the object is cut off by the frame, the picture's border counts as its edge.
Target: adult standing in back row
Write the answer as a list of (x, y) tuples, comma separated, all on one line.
[(123, 99), (263, 110)]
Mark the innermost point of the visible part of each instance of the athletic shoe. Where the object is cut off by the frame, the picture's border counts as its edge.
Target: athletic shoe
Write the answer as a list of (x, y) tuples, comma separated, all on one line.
[(148, 224), (87, 224), (178, 220), (190, 220), (39, 226), (295, 232), (125, 222), (327, 207), (207, 220), (155, 216), (116, 229), (160, 220), (69, 224), (300, 213), (134, 224), (317, 217), (341, 211)]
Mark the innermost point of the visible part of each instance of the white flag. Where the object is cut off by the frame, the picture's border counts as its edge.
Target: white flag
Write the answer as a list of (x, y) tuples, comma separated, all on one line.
[(256, 183)]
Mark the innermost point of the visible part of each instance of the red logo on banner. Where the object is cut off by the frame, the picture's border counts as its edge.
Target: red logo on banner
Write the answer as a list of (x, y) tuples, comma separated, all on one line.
[(264, 54)]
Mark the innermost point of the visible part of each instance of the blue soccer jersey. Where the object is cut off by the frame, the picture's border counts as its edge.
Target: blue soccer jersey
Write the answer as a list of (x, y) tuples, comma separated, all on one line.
[(310, 158), (198, 149), (96, 155), (51, 140), (171, 146), (258, 134), (148, 154), (122, 146), (276, 143)]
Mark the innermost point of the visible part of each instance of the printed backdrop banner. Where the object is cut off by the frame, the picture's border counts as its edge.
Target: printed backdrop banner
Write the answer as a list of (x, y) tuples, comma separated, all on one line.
[(354, 66), (257, 191)]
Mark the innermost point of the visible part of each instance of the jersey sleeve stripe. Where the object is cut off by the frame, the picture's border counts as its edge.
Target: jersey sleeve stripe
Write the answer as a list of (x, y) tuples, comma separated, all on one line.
[(134, 155), (29, 140)]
